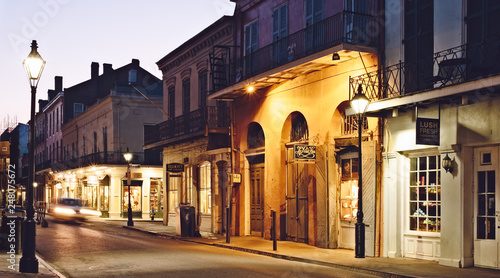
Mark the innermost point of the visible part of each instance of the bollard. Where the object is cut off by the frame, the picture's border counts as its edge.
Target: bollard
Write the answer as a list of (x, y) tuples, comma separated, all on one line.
[(275, 244), (228, 221)]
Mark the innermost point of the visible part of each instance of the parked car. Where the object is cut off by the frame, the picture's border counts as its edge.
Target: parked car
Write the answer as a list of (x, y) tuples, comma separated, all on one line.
[(70, 209)]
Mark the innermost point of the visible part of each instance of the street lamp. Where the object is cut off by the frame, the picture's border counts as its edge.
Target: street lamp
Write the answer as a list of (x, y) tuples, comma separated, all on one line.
[(34, 65), (359, 103), (128, 157)]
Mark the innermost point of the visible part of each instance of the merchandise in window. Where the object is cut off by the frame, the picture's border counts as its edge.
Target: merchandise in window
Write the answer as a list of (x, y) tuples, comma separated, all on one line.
[(425, 194)]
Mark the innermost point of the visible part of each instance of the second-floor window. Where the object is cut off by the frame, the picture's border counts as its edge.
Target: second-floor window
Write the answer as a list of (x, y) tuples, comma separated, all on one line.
[(203, 88), (186, 96), (77, 109), (171, 102), (314, 31), (251, 45), (280, 31)]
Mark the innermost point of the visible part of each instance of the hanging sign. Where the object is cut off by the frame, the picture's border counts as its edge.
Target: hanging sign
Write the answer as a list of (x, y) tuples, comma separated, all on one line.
[(427, 131), (175, 168), (304, 152)]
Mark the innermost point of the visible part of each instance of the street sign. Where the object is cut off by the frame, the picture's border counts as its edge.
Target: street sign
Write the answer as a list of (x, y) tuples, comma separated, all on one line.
[(175, 168), (304, 152), (427, 131)]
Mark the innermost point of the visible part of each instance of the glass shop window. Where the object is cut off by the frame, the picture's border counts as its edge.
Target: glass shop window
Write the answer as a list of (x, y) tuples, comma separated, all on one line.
[(349, 189), (425, 194)]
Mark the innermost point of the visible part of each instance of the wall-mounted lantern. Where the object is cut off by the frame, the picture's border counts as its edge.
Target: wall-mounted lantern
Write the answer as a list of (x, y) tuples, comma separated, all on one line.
[(447, 164)]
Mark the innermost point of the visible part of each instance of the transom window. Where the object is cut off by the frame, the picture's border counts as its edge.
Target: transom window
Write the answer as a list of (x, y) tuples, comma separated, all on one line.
[(425, 194)]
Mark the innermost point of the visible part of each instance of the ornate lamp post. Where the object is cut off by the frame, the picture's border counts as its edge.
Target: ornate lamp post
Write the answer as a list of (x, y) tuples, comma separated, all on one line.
[(359, 103), (34, 65), (128, 157)]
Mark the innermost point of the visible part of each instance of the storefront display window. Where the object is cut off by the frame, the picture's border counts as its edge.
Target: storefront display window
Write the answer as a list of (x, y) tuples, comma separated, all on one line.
[(205, 192), (425, 194), (156, 196), (135, 197), (349, 189), (173, 193)]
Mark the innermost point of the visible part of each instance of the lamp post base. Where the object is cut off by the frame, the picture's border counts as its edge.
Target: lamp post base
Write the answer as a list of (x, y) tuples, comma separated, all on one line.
[(360, 240), (28, 262), (130, 222)]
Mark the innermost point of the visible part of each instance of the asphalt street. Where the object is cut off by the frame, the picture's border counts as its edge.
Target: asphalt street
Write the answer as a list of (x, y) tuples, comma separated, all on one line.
[(101, 249)]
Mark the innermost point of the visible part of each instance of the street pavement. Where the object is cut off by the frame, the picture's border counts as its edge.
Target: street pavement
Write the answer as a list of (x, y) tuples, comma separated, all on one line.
[(303, 254)]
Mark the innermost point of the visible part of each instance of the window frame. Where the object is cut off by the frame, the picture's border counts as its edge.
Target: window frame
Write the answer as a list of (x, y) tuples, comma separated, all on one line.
[(419, 173)]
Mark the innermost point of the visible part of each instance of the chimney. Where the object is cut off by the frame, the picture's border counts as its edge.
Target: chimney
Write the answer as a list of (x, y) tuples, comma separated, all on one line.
[(41, 104), (52, 94), (58, 84), (94, 70), (135, 63), (108, 68)]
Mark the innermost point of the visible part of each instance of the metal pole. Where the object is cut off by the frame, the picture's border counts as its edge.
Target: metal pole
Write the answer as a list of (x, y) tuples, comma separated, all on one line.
[(130, 222), (228, 240), (360, 226), (29, 263), (275, 245)]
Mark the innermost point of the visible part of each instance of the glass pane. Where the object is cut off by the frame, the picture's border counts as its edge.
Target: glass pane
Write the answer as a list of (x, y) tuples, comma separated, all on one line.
[(413, 223), (432, 209), (413, 209), (421, 225), (432, 193), (432, 178), (438, 225), (413, 178), (413, 193), (481, 182), (422, 163), (354, 167), (491, 204), (491, 181), (481, 224), (432, 162), (431, 224), (490, 226), (413, 164), (486, 159), (421, 178), (481, 205), (439, 178), (422, 208)]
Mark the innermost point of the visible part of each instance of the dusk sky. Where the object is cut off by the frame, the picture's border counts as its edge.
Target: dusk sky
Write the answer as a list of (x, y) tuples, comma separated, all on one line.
[(71, 34)]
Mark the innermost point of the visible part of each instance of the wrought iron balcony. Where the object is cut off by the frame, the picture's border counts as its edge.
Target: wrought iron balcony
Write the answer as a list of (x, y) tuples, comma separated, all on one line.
[(107, 158), (342, 28), (450, 67), (192, 124)]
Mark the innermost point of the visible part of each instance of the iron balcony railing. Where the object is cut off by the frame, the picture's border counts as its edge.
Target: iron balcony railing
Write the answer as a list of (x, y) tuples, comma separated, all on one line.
[(344, 27), (449, 67), (108, 158), (195, 121)]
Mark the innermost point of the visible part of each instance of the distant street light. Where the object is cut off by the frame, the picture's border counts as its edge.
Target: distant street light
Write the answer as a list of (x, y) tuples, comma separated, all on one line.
[(34, 65), (360, 103), (128, 158)]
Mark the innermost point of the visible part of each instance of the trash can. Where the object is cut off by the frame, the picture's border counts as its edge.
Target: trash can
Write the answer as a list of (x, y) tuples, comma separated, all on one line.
[(185, 218)]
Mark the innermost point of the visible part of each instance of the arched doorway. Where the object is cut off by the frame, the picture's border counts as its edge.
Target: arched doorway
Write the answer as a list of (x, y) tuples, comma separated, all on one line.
[(300, 195), (255, 156)]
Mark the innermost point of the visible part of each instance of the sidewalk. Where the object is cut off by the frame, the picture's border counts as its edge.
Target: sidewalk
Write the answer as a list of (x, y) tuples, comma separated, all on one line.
[(335, 258)]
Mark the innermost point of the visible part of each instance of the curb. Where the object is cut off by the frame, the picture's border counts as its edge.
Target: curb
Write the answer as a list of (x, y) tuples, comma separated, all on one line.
[(49, 267), (279, 256)]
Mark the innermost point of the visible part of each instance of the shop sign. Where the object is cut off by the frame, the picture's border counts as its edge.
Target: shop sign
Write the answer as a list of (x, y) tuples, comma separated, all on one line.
[(175, 168), (428, 131), (304, 152)]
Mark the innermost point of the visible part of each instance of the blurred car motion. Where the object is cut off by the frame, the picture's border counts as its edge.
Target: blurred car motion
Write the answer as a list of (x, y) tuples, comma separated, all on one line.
[(70, 209)]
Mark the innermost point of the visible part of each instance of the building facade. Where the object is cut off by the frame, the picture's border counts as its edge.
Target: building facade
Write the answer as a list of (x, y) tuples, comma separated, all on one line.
[(195, 131), (83, 132), (438, 92), (288, 86)]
